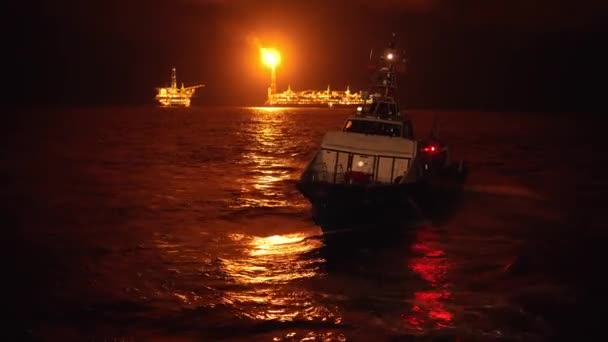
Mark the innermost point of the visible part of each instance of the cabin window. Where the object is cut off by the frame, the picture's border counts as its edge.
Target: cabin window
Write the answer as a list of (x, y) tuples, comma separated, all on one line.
[(381, 109), (373, 127), (372, 107)]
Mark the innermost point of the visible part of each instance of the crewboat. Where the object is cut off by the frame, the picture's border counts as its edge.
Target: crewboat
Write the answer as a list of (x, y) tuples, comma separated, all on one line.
[(375, 158)]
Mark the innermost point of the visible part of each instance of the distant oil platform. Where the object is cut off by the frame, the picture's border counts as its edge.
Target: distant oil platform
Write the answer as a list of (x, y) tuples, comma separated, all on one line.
[(314, 98), (308, 98), (174, 96)]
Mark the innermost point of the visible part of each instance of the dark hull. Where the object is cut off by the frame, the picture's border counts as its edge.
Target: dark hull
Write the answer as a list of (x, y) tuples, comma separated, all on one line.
[(352, 195), (347, 203)]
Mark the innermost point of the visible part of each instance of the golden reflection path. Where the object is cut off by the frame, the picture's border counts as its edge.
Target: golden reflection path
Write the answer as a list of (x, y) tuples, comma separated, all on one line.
[(267, 159), (274, 259), (428, 309), (265, 273)]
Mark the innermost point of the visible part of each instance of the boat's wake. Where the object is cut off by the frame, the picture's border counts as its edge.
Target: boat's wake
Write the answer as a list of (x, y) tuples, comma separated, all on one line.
[(504, 190)]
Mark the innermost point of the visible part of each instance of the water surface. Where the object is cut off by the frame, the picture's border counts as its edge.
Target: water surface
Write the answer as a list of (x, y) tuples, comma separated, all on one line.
[(185, 224)]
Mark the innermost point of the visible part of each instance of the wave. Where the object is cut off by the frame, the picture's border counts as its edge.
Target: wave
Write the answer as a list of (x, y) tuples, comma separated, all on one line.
[(504, 190)]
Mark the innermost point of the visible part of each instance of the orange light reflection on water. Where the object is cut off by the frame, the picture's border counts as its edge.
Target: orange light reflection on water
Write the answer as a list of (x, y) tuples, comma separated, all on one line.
[(270, 264), (428, 309), (283, 244), (271, 169), (268, 109), (274, 259)]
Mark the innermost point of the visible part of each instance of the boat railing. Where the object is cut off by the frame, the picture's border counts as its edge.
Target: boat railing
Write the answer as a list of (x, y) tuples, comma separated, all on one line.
[(385, 169)]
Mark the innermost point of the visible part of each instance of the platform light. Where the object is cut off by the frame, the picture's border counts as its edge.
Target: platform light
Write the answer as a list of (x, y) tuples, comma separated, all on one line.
[(270, 57)]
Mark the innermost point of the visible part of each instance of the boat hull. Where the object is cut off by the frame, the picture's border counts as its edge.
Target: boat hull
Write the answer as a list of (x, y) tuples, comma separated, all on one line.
[(355, 195), (341, 206), (347, 203)]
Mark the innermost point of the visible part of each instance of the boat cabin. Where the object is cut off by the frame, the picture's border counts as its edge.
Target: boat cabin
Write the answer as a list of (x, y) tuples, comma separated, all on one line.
[(381, 109), (373, 126)]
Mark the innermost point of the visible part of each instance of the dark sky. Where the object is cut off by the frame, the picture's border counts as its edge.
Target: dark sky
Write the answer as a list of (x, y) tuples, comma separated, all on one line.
[(462, 54)]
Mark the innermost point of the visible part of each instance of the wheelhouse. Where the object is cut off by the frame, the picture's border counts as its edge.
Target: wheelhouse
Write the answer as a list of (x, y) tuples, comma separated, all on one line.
[(373, 126)]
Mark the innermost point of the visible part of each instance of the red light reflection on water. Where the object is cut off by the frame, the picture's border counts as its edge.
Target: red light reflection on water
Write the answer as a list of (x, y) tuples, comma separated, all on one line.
[(428, 308)]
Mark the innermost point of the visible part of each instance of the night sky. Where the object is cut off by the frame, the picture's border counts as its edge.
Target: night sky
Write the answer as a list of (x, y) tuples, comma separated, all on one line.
[(468, 54)]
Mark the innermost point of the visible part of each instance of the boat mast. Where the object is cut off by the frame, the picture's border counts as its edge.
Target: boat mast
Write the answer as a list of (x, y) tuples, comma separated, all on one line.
[(386, 79), (383, 86)]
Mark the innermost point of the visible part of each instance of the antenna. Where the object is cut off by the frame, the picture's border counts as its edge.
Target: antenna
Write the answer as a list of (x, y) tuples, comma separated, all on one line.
[(435, 127), (371, 52), (391, 45)]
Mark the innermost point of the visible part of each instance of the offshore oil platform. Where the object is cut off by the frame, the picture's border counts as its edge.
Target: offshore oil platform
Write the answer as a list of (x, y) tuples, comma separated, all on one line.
[(307, 98), (314, 98), (174, 96)]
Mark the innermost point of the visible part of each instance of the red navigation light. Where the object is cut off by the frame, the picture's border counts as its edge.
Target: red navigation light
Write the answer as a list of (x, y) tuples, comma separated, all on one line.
[(430, 149)]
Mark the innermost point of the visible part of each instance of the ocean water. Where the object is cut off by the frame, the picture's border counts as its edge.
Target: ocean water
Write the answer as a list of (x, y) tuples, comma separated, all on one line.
[(145, 223)]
